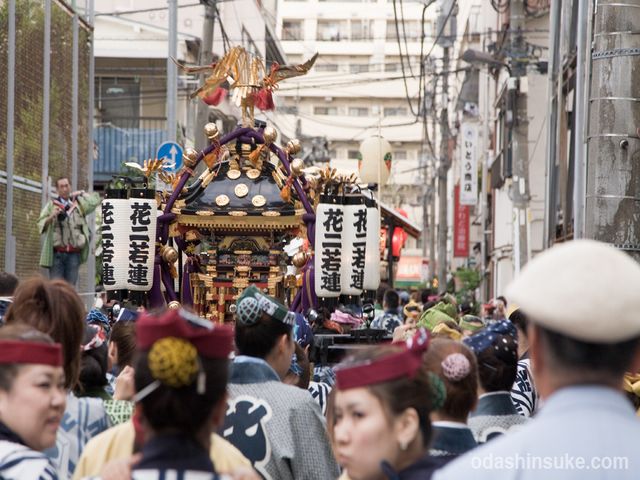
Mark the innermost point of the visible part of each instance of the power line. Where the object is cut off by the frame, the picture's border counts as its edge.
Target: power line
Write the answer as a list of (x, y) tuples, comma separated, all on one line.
[(444, 24), (144, 10), (404, 77), (226, 45)]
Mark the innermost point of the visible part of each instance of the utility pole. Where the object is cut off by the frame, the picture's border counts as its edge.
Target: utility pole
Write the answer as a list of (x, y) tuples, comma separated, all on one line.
[(612, 197), (443, 170), (425, 175), (432, 196), (172, 71), (205, 58), (447, 25), (484, 202), (553, 124), (517, 88), (432, 224)]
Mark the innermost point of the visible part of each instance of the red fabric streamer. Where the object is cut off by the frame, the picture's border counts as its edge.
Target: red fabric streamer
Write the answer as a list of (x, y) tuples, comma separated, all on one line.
[(216, 97), (264, 99)]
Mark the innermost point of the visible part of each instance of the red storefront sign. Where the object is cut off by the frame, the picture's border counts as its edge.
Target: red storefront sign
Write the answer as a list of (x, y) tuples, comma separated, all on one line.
[(460, 226)]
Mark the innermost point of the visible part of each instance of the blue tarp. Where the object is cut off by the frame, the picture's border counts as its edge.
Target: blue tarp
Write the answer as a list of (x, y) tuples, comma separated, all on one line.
[(118, 145)]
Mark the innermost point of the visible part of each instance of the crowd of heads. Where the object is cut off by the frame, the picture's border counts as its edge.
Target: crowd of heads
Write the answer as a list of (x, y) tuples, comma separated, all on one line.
[(388, 401)]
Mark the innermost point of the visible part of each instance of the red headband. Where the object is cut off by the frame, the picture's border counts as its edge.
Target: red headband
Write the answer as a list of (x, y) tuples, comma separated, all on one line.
[(391, 367), (16, 351), (210, 341)]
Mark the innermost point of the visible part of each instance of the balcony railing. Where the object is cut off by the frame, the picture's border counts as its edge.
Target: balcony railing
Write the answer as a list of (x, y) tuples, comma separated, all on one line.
[(120, 140)]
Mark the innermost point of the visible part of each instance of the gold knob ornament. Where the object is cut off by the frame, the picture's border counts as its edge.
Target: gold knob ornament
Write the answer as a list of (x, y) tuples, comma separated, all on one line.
[(169, 255), (270, 134), (293, 146), (174, 305), (190, 157), (212, 132), (296, 167), (299, 259)]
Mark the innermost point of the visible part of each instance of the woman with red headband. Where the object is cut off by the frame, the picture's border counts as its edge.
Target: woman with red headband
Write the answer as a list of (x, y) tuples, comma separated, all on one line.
[(380, 425), (32, 402)]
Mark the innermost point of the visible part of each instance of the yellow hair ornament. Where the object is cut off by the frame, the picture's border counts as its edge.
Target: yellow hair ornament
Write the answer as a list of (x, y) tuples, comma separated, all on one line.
[(445, 330), (174, 362), (631, 383)]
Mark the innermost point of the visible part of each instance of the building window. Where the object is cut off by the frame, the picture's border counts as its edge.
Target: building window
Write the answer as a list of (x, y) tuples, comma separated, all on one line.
[(358, 112), (288, 109), (400, 155), (391, 67), (361, 29), (428, 29), (411, 30), (326, 67), (332, 30), (325, 110), (358, 68), (395, 111), (353, 154), (292, 30), (332, 153), (249, 44), (119, 101)]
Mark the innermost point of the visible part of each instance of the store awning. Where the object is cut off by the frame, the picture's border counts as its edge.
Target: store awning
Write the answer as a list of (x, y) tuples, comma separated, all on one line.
[(390, 215)]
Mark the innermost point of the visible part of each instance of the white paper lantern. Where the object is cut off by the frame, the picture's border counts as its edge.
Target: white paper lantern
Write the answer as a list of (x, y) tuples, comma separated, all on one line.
[(372, 264), (328, 247), (375, 160), (142, 218), (354, 245), (115, 240)]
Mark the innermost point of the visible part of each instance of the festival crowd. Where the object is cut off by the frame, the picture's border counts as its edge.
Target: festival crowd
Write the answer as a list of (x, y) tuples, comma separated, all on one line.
[(540, 384)]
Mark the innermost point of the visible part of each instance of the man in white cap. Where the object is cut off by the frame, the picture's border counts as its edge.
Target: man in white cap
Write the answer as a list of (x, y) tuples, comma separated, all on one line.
[(583, 304)]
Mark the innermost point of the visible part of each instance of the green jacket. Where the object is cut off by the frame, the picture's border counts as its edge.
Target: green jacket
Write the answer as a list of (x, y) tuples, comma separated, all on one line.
[(87, 203)]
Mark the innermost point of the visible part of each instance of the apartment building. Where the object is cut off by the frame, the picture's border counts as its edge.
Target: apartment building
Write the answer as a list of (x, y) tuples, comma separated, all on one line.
[(357, 87)]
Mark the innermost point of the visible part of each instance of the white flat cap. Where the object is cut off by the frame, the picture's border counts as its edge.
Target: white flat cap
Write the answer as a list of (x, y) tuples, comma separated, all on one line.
[(583, 289)]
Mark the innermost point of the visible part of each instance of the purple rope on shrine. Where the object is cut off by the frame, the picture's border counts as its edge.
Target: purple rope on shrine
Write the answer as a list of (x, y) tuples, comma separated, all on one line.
[(192, 266), (156, 300), (167, 281), (295, 305), (181, 244), (310, 221), (296, 185), (185, 176), (250, 137), (309, 297), (162, 227)]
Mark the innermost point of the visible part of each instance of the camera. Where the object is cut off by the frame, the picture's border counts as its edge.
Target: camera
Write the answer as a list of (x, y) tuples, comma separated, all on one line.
[(63, 215), (113, 312), (368, 311)]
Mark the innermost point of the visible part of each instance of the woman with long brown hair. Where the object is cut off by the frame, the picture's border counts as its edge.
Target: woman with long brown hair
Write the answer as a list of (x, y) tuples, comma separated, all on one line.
[(53, 307)]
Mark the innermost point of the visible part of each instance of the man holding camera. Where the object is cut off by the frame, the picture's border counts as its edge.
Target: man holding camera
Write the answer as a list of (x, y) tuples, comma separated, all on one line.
[(63, 222)]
